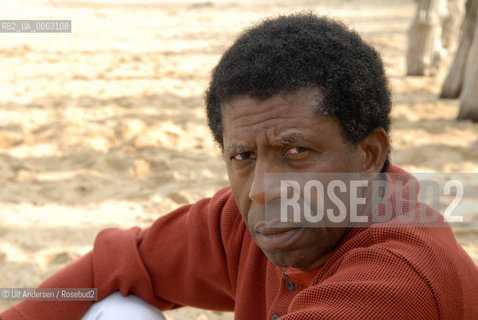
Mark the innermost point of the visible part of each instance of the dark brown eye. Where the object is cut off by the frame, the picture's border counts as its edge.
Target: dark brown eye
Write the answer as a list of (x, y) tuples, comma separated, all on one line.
[(243, 156), (296, 150)]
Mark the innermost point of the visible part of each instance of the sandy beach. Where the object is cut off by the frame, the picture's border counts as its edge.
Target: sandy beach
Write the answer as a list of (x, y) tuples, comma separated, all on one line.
[(105, 126)]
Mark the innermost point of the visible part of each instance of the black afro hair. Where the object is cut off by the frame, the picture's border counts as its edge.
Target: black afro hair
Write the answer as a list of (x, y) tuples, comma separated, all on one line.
[(284, 54)]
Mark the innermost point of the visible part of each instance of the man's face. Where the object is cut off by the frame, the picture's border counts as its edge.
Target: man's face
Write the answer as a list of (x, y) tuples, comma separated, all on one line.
[(283, 134)]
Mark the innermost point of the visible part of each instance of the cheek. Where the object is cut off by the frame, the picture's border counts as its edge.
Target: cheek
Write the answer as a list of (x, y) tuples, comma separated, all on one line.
[(240, 186), (241, 195), (355, 158), (234, 182)]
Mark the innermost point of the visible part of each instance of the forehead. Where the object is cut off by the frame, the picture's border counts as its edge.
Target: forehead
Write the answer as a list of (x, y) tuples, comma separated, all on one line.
[(278, 118), (303, 102)]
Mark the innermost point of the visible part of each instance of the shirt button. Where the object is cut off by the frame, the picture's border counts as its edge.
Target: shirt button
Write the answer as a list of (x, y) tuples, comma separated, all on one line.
[(275, 317), (290, 286)]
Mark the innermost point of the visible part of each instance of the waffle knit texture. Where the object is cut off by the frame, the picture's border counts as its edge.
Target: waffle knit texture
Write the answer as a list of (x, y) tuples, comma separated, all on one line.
[(202, 255)]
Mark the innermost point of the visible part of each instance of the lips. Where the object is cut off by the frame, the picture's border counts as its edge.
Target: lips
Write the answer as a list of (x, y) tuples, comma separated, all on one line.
[(270, 231), (276, 237)]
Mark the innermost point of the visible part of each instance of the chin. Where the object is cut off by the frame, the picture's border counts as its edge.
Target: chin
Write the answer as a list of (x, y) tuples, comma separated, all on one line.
[(284, 261)]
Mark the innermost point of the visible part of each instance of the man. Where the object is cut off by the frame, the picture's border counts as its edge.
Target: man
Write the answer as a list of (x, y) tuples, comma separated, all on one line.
[(296, 95)]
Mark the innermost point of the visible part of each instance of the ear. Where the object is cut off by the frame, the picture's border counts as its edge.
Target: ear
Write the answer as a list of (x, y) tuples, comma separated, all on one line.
[(375, 147)]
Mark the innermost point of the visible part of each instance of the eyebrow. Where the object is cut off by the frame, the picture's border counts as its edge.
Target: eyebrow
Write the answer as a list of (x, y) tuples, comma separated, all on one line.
[(290, 139), (279, 142), (235, 149)]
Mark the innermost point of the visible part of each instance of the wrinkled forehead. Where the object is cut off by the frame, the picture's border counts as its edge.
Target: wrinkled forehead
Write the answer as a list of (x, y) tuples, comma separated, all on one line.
[(304, 96), (298, 111), (298, 114)]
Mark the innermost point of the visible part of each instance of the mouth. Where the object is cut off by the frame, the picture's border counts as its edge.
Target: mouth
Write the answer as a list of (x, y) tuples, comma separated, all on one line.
[(273, 238)]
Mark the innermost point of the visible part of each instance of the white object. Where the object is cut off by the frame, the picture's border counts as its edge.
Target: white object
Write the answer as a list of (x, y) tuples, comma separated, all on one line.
[(117, 307)]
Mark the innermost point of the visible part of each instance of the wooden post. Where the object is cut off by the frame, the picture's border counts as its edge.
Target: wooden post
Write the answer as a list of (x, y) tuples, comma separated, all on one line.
[(469, 96), (453, 84), (425, 50), (452, 22)]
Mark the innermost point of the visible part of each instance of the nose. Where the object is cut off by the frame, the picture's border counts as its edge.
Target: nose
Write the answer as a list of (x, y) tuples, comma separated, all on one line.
[(257, 191), (265, 184)]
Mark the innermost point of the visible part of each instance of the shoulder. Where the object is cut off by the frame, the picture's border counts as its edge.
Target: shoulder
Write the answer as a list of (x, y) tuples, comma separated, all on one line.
[(232, 227), (223, 199), (412, 258), (222, 207)]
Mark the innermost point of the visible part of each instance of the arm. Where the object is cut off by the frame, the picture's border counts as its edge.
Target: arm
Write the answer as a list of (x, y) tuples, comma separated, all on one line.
[(179, 260)]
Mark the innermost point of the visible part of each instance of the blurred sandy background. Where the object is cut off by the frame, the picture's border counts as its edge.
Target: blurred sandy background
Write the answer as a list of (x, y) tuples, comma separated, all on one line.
[(105, 126)]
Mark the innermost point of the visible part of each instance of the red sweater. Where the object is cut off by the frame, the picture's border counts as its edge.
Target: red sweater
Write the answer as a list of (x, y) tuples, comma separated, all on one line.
[(202, 255)]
